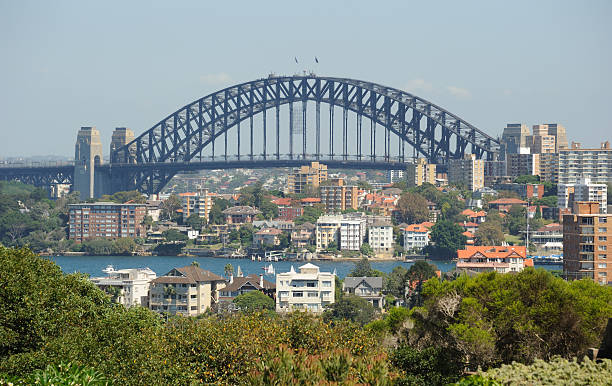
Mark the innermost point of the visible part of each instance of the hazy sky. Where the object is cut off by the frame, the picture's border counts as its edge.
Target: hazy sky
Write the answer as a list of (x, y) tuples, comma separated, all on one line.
[(66, 64)]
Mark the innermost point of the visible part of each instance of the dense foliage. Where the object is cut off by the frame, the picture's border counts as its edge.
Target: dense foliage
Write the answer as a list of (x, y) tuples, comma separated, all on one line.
[(446, 238)]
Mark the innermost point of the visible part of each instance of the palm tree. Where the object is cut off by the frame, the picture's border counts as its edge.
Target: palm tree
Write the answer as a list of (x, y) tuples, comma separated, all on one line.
[(195, 263), (228, 270)]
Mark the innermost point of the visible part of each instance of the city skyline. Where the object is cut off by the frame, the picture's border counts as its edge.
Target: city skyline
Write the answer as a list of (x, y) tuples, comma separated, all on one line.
[(69, 64)]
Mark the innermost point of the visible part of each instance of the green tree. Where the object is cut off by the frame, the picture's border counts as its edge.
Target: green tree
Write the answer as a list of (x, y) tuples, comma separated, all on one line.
[(396, 282), (98, 247), (246, 234), (366, 249), (311, 214), (363, 268), (123, 197), (195, 221), (489, 233), (268, 209), (253, 301), (169, 208), (172, 235), (228, 270), (216, 215), (516, 220), (527, 179), (284, 240), (427, 366), (350, 307), (447, 237), (124, 246), (412, 208)]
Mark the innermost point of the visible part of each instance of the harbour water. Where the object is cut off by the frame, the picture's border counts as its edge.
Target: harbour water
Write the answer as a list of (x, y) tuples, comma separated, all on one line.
[(93, 265)]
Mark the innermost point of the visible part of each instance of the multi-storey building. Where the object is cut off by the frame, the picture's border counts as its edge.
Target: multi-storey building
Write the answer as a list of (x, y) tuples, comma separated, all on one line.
[(541, 142), (368, 288), (493, 171), (522, 164), (240, 214), (106, 220), (394, 176), (514, 137), (584, 190), (347, 232), (267, 237), (189, 291), (199, 203), (587, 243), (307, 290), (306, 175), (338, 197), (239, 285), (576, 162), (529, 191), (303, 235), (420, 172), (560, 138), (468, 171), (502, 259), (416, 236), (328, 231), (380, 238), (132, 285), (549, 167)]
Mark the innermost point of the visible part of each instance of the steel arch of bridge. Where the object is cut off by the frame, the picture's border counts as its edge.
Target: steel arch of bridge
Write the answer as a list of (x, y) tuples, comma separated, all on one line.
[(180, 138)]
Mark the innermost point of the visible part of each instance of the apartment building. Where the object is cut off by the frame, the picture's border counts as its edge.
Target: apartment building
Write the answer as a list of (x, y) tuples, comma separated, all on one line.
[(132, 285), (522, 164), (541, 142), (337, 196), (584, 190), (240, 214), (240, 285), (199, 203), (560, 137), (576, 162), (416, 236), (502, 259), (306, 175), (420, 172), (468, 171), (394, 176), (188, 290), (530, 191), (106, 220), (587, 243), (380, 238), (549, 167), (307, 290), (347, 232)]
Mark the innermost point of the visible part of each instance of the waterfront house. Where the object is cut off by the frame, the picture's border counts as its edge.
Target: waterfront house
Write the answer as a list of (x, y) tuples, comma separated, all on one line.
[(130, 287), (502, 259), (369, 288), (306, 290), (188, 290), (244, 284)]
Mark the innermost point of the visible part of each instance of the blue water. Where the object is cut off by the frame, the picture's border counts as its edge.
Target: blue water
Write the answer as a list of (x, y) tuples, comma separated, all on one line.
[(93, 265)]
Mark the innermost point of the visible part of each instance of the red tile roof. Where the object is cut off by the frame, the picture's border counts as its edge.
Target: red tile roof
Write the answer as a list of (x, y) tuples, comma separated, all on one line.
[(492, 251), (508, 201)]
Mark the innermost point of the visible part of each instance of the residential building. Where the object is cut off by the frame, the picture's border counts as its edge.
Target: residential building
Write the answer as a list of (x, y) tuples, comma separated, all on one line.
[(188, 290), (394, 176), (541, 142), (560, 138), (199, 203), (584, 190), (476, 217), (307, 290), (347, 232), (522, 164), (493, 170), (549, 167), (526, 191), (587, 243), (548, 237), (106, 220), (380, 238), (420, 172), (311, 175), (132, 285), (337, 196), (239, 285), (267, 237), (303, 235), (576, 163), (468, 171), (514, 137), (328, 231), (502, 259), (368, 288), (416, 236), (240, 214), (504, 204)]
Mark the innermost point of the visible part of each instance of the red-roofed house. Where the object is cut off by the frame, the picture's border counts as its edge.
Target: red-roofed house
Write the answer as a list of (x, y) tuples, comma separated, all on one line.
[(504, 204), (470, 237), (493, 258), (310, 201), (416, 236), (469, 226)]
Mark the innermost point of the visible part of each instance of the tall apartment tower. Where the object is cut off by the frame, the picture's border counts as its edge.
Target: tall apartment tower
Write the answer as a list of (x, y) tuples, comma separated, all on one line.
[(87, 155), (576, 162), (541, 142), (306, 175), (121, 137), (514, 137), (420, 172), (587, 243), (468, 171)]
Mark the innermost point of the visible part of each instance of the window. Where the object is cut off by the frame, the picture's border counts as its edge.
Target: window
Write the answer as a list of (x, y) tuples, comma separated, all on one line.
[(602, 248), (195, 296), (194, 308), (602, 230), (602, 256), (313, 294), (311, 284), (603, 238), (327, 284), (298, 294)]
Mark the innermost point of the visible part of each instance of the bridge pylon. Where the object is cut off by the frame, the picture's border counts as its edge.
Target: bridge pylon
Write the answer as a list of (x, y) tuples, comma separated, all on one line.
[(88, 157)]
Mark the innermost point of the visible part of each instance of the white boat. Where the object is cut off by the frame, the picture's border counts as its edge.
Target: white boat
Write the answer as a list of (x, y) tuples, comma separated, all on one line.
[(252, 258), (258, 258), (269, 270), (109, 269), (275, 258)]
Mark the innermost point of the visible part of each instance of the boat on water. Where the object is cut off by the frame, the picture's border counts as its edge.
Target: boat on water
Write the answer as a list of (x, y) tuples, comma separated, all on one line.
[(548, 260), (109, 269), (269, 270)]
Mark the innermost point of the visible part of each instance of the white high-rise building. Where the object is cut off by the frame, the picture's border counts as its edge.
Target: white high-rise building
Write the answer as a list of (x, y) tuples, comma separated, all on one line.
[(307, 290), (380, 238), (576, 162), (347, 232), (584, 190), (132, 285)]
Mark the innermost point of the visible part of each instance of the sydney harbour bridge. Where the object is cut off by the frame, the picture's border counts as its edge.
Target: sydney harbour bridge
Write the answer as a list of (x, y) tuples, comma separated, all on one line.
[(280, 121)]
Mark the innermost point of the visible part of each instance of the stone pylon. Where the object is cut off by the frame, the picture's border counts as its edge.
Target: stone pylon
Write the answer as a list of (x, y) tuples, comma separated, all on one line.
[(87, 155)]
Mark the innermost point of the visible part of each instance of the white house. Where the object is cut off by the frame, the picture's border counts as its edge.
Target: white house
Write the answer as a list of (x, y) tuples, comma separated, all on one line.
[(380, 238), (307, 290), (132, 284), (416, 236)]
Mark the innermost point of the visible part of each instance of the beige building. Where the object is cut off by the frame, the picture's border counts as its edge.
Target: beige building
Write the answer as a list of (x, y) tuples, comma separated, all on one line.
[(199, 203), (420, 172), (522, 164), (307, 290), (560, 138), (188, 290), (306, 175), (380, 238), (595, 164), (541, 142), (347, 232), (468, 171), (587, 243), (338, 197), (549, 167)]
